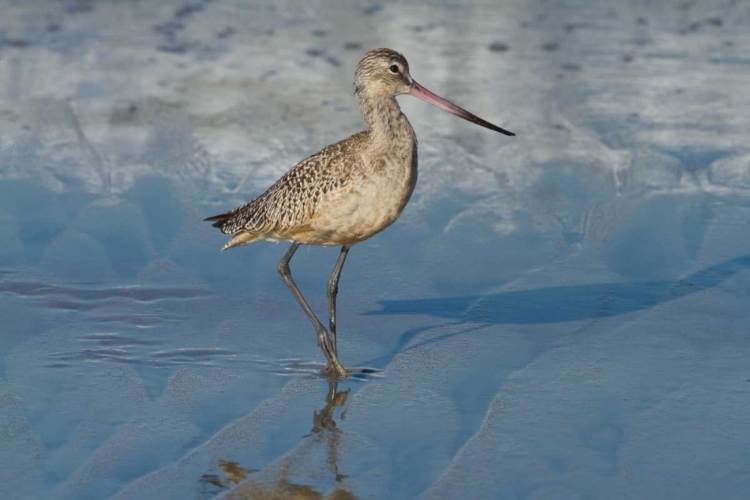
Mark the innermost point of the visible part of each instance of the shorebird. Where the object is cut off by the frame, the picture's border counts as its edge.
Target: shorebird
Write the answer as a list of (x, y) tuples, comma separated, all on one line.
[(349, 191)]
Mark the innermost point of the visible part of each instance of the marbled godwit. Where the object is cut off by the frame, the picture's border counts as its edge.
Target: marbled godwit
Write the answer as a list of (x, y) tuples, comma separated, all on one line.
[(347, 192)]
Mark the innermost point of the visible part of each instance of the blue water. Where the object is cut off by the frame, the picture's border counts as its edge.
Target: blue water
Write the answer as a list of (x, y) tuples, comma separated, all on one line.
[(562, 314)]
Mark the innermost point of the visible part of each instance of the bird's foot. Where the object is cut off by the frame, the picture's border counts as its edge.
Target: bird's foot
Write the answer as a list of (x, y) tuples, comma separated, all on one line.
[(334, 367), (329, 349)]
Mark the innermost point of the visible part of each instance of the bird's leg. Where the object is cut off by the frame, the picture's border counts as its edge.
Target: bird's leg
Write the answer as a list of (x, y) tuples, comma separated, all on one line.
[(333, 290), (323, 341)]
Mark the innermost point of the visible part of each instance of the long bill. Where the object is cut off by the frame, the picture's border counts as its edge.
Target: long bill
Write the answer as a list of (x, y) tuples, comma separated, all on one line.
[(420, 92)]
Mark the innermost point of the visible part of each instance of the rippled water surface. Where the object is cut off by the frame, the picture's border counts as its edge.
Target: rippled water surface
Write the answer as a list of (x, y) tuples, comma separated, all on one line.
[(563, 314)]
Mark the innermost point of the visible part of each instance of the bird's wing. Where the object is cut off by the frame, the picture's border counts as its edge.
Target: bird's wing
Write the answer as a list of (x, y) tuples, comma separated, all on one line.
[(291, 201)]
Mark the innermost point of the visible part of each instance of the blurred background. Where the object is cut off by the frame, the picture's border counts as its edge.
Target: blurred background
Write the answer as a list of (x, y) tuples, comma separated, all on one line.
[(562, 314)]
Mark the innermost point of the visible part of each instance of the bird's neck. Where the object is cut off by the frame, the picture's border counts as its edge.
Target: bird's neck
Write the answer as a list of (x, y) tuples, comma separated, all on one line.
[(387, 124)]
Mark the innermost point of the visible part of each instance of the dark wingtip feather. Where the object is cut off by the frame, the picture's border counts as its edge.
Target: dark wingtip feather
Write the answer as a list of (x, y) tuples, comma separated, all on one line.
[(218, 220)]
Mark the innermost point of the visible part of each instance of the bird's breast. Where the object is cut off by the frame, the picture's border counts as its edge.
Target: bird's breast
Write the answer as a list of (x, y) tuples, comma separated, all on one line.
[(372, 202)]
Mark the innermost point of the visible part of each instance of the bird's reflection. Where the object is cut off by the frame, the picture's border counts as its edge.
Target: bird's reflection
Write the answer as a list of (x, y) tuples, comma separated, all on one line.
[(246, 484)]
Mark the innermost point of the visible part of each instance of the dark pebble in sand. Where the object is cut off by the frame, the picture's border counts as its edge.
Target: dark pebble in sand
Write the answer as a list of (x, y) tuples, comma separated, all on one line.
[(372, 9), (169, 28), (352, 46), (333, 61), (498, 47), (188, 9), (550, 47), (420, 28), (173, 49), (226, 32), (570, 67), (315, 52), (16, 43), (79, 6)]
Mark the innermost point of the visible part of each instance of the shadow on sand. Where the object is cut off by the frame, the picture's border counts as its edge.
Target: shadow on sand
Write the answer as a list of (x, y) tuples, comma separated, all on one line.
[(565, 303), (549, 305)]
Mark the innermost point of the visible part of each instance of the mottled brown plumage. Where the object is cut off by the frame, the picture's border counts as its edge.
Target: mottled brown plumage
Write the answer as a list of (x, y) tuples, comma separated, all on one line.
[(342, 180), (349, 191)]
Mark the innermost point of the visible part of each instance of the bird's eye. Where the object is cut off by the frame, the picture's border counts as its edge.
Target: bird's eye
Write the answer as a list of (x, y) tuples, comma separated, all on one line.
[(393, 68)]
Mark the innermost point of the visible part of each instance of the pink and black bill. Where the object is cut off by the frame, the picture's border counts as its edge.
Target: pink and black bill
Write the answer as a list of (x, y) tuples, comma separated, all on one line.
[(420, 92)]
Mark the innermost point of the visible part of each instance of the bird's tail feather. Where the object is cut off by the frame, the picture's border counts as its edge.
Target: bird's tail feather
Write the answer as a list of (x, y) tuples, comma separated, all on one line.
[(240, 238), (219, 220)]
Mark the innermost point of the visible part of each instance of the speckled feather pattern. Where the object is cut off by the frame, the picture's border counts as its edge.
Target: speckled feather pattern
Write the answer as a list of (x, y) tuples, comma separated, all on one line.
[(350, 190), (291, 201)]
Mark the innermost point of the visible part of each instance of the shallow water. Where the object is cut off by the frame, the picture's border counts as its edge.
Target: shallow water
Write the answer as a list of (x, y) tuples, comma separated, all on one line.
[(562, 314)]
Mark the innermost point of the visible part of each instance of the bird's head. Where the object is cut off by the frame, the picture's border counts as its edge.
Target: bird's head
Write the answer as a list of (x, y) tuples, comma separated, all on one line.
[(384, 73)]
